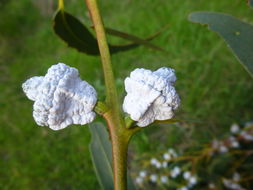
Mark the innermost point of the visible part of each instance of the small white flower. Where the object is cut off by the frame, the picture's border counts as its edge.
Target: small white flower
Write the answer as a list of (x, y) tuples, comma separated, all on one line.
[(150, 95), (143, 174), (192, 180), (223, 149), (183, 188), (234, 128), (226, 183), (175, 172), (187, 175), (153, 178), (231, 185), (175, 155), (153, 161), (164, 164), (166, 156), (61, 98), (235, 144), (236, 186), (246, 136), (172, 152), (139, 180), (164, 179), (158, 165)]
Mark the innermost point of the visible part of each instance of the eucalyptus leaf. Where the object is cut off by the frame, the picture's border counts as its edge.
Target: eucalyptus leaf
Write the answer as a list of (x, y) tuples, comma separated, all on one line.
[(69, 29), (77, 36), (251, 3), (135, 39), (101, 154), (237, 34)]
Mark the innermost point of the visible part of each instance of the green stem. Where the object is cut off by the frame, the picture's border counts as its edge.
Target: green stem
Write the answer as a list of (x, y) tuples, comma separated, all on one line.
[(60, 4), (120, 140), (116, 124), (104, 51)]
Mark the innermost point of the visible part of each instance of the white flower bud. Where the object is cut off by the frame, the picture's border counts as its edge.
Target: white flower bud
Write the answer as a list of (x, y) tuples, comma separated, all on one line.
[(166, 156), (187, 175), (231, 185), (227, 183), (153, 178), (246, 136), (153, 161), (150, 95), (234, 128), (223, 149), (164, 164), (139, 180), (143, 174), (192, 180), (172, 152), (158, 165), (61, 98), (236, 186), (175, 172), (183, 188), (235, 144), (164, 179)]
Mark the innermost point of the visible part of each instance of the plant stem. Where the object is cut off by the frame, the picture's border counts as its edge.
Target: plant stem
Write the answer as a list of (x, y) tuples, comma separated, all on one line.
[(116, 124), (60, 4), (120, 139), (104, 51)]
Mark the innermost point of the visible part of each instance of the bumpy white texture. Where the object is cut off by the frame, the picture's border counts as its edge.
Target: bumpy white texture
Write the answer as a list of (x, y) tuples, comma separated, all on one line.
[(61, 98), (151, 95)]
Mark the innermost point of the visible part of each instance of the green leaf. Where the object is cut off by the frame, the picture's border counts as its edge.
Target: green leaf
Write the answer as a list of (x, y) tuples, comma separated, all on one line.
[(101, 153), (69, 29), (237, 34), (250, 3), (77, 36), (220, 164), (135, 39)]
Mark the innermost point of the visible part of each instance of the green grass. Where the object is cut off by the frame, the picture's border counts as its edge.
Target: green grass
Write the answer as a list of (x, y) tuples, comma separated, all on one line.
[(215, 90)]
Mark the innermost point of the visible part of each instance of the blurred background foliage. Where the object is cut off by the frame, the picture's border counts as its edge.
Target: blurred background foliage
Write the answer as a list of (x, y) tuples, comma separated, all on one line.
[(215, 90)]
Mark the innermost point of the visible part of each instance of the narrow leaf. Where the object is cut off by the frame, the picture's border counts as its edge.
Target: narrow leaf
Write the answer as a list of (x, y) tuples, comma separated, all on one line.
[(168, 121), (135, 39), (101, 153), (77, 36), (237, 34)]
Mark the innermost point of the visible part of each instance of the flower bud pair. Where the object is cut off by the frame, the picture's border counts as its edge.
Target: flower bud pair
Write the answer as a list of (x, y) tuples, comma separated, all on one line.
[(61, 98)]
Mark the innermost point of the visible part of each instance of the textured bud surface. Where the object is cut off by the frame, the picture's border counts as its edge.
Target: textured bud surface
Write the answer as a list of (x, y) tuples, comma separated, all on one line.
[(61, 98), (150, 95)]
